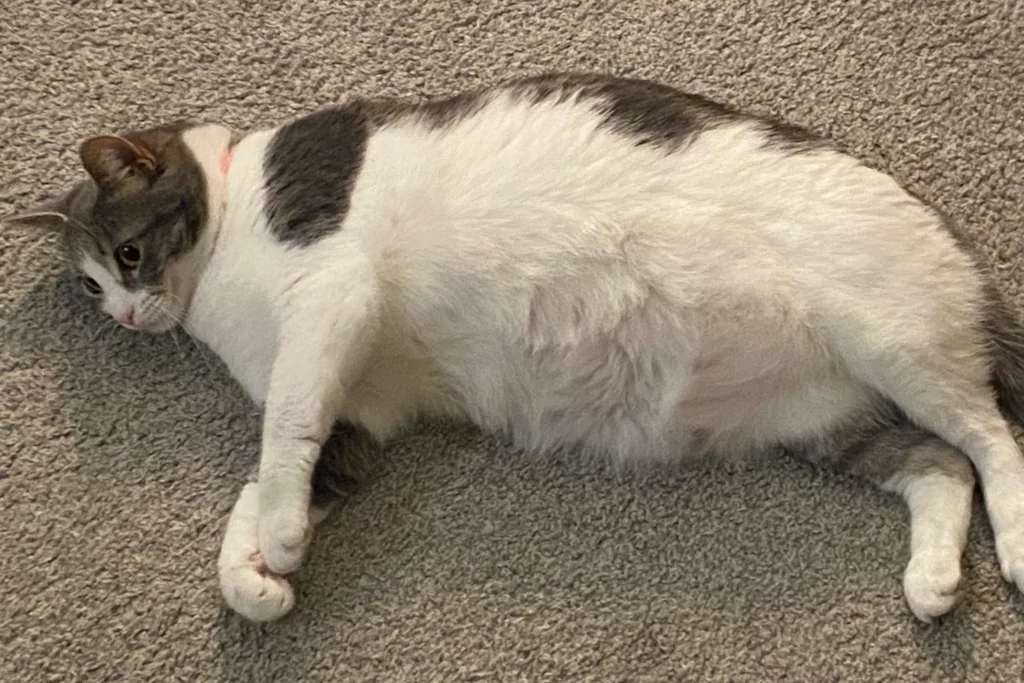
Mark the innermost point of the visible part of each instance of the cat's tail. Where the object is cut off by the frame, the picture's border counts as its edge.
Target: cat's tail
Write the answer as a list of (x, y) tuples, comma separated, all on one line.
[(345, 459), (1005, 332)]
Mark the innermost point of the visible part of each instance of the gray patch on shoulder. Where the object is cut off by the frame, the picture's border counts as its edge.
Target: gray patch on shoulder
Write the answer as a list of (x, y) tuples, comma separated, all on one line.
[(310, 169), (655, 114)]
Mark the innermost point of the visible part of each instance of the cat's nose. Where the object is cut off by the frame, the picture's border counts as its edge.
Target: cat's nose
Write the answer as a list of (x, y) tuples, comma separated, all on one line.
[(128, 317)]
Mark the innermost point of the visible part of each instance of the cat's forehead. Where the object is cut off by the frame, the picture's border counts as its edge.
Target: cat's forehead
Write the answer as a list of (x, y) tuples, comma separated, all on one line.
[(118, 217)]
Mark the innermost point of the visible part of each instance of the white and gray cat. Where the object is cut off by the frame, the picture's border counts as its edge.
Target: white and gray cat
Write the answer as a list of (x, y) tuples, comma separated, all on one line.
[(575, 261)]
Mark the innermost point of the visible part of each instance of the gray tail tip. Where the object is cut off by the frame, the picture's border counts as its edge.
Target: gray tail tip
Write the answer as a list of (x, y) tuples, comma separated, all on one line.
[(345, 460)]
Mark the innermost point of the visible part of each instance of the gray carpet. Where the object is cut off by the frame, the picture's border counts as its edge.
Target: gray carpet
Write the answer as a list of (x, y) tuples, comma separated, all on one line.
[(459, 560)]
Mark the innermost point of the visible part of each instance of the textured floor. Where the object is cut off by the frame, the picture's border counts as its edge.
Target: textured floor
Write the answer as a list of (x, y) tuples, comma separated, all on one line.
[(120, 454)]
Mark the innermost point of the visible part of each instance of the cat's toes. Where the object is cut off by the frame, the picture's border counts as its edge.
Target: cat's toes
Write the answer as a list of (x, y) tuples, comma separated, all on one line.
[(283, 539), (1010, 550), (255, 592), (930, 585)]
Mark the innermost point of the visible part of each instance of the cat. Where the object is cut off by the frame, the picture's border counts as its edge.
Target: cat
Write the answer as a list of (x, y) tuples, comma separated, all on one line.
[(579, 262)]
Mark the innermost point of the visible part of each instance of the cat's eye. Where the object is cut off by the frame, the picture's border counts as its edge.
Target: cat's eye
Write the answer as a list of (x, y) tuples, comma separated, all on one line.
[(91, 287), (127, 255)]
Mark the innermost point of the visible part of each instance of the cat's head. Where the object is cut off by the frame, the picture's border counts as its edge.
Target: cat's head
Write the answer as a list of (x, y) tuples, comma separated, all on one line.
[(133, 229)]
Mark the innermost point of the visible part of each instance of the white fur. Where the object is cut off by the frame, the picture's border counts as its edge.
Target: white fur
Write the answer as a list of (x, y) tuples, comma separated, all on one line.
[(242, 268), (542, 276), (117, 301), (134, 309), (248, 587)]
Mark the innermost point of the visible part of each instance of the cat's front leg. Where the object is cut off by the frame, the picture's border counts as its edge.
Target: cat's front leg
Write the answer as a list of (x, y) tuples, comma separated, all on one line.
[(249, 587), (247, 584), (323, 342)]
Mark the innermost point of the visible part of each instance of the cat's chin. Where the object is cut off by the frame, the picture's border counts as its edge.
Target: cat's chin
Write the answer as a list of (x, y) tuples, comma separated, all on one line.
[(151, 327)]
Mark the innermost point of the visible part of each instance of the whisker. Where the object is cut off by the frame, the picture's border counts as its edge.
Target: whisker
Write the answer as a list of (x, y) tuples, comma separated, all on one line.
[(104, 328), (178, 316), (178, 313), (177, 345)]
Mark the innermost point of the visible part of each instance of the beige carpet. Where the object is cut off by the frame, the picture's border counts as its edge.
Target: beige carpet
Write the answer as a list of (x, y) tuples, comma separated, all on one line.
[(121, 454)]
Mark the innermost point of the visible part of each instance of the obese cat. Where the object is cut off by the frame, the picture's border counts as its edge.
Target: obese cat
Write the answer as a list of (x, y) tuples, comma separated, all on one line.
[(576, 261)]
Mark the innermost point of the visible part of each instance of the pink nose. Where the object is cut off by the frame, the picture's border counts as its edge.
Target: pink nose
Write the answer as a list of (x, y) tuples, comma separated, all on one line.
[(128, 318)]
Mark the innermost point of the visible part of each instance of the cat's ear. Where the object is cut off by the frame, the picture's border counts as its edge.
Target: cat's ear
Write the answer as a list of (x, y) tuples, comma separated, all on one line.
[(118, 164), (50, 216)]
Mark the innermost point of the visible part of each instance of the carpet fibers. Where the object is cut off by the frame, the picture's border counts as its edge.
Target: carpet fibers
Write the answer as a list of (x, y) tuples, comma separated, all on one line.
[(459, 560)]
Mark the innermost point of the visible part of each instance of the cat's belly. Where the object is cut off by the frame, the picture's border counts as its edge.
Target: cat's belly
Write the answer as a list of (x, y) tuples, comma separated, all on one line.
[(663, 386), (720, 415)]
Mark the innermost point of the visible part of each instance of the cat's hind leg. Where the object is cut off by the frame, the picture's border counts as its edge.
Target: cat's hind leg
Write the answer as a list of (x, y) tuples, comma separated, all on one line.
[(937, 483), (937, 369)]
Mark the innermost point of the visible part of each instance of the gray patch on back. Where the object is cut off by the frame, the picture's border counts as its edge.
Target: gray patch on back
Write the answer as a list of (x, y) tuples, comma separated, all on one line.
[(310, 168), (649, 113), (433, 113), (655, 114)]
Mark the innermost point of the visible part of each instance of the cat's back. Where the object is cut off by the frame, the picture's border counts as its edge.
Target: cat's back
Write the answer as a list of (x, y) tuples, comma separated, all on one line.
[(541, 174), (560, 174), (546, 160), (578, 146)]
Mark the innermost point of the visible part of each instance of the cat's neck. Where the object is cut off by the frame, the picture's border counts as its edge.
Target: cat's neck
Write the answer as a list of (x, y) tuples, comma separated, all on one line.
[(229, 310), (211, 146), (219, 194), (234, 178)]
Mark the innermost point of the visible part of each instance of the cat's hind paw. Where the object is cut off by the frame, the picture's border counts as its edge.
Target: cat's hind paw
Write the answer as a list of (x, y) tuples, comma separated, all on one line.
[(255, 592), (931, 584), (1010, 550)]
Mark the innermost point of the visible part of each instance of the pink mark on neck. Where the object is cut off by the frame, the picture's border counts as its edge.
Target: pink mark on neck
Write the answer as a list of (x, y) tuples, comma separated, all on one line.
[(225, 160)]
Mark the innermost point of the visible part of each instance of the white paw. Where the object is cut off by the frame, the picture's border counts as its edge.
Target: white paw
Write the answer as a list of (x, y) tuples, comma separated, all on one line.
[(283, 538), (254, 591), (1010, 550), (930, 585)]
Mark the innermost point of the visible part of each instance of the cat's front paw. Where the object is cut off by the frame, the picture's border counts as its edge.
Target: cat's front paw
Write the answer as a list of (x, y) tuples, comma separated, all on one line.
[(931, 584), (283, 537), (255, 592)]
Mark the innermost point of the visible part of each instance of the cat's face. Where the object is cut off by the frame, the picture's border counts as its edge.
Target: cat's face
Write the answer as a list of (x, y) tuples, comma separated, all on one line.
[(131, 229)]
